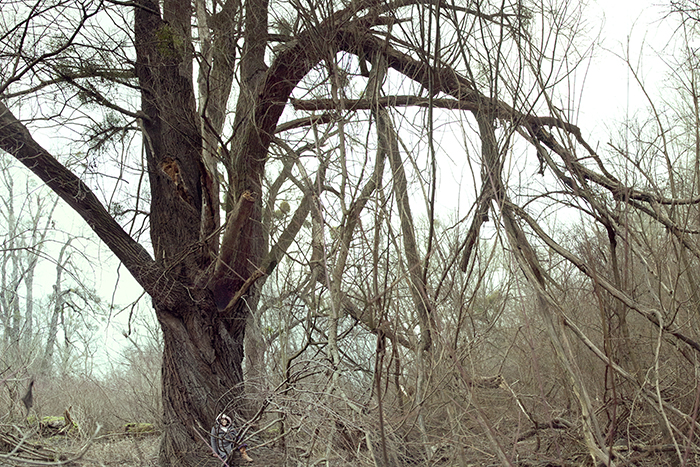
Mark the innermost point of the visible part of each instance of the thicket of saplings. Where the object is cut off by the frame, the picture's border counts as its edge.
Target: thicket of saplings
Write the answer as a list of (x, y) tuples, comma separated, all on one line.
[(119, 398), (491, 377)]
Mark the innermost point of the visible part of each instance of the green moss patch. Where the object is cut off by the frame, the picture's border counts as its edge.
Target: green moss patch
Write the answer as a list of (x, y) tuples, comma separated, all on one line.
[(139, 428)]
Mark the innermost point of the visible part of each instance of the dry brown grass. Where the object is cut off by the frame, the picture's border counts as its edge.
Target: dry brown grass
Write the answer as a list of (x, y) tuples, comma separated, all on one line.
[(127, 451)]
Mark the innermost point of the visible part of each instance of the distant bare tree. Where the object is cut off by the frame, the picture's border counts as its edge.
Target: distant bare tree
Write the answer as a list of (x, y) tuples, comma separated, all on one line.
[(30, 235)]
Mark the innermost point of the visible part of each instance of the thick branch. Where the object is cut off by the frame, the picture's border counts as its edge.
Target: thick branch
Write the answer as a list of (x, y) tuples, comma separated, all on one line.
[(236, 218), (306, 121), (386, 101), (289, 234), (16, 140), (257, 274), (467, 97), (388, 142), (226, 276), (607, 181)]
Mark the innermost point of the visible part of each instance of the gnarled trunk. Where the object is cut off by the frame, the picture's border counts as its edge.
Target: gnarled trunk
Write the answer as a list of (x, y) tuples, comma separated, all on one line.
[(202, 377)]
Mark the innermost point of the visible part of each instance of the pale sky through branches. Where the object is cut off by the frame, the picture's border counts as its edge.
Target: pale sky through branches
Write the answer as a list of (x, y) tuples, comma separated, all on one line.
[(610, 93), (605, 94)]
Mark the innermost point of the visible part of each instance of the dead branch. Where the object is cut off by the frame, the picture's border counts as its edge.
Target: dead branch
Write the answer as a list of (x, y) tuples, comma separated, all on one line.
[(257, 274), (236, 218), (41, 456)]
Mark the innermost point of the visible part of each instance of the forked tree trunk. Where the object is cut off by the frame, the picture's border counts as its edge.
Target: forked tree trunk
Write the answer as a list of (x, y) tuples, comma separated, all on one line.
[(202, 356)]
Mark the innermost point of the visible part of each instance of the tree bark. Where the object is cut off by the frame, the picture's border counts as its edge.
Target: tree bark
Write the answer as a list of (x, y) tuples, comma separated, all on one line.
[(202, 347), (201, 375)]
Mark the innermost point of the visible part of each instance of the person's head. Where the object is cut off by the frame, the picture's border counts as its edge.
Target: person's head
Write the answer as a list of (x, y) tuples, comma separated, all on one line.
[(224, 420)]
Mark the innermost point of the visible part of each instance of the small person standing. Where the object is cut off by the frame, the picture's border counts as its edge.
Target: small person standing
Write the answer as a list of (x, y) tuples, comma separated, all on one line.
[(224, 438)]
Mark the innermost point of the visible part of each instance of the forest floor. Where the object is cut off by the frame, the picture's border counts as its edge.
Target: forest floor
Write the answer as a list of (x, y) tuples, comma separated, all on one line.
[(119, 449), (114, 449)]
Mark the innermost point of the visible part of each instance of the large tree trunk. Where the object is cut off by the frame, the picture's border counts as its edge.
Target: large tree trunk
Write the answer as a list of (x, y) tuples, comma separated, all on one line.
[(201, 376), (202, 342)]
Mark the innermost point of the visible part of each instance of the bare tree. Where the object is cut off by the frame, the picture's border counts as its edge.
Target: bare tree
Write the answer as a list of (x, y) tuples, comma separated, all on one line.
[(30, 234), (141, 95)]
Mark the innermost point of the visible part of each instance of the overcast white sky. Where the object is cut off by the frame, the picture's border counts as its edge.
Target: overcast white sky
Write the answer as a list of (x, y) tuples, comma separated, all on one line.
[(606, 100)]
